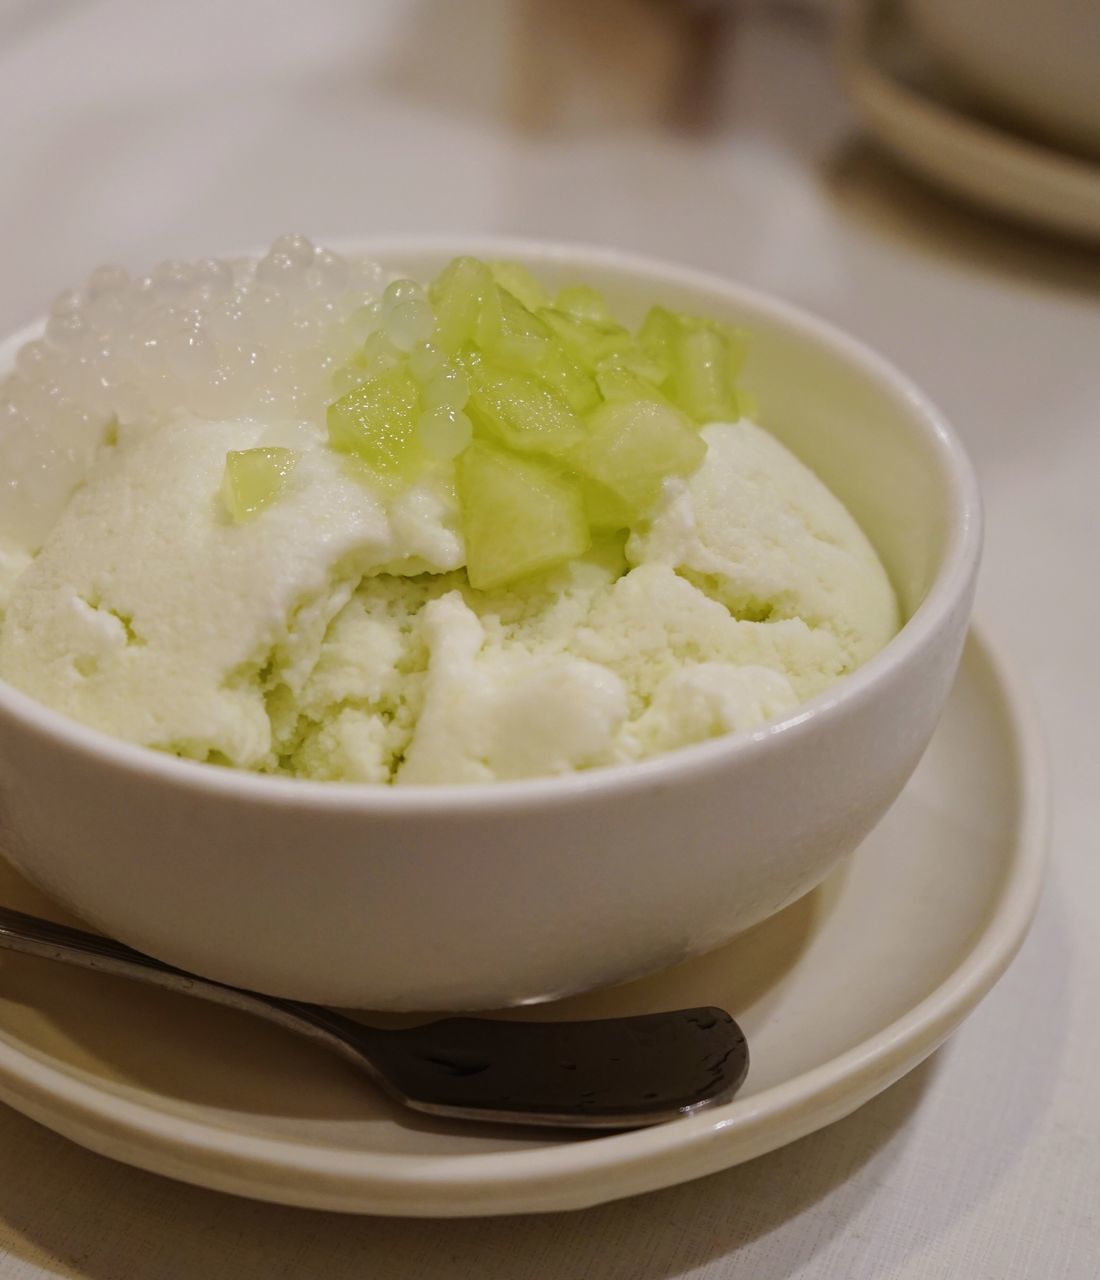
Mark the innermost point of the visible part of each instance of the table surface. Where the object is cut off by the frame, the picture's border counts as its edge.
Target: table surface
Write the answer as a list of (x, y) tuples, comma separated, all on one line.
[(134, 132)]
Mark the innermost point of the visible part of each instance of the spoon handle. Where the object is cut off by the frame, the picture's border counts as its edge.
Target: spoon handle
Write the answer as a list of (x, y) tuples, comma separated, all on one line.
[(34, 936)]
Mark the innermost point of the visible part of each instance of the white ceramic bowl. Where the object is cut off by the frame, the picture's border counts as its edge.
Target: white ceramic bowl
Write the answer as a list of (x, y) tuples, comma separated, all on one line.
[(480, 896), (1037, 59)]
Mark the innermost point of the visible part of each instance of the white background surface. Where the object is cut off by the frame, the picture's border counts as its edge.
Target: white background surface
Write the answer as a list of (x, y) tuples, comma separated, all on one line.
[(135, 131)]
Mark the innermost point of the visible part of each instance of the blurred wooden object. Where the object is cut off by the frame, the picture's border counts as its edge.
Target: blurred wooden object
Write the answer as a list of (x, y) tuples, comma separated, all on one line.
[(608, 65)]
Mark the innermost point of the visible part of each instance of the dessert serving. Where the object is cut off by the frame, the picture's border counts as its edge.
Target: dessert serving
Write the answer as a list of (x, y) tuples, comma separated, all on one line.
[(302, 516), (450, 624)]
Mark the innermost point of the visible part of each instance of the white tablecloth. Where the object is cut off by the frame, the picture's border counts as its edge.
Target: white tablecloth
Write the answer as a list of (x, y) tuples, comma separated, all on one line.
[(134, 131)]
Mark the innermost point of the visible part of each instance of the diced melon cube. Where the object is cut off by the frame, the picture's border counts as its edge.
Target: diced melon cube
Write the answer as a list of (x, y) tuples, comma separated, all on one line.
[(702, 357), (469, 357), (702, 378), (648, 365), (659, 332), (520, 283), (254, 478), (521, 342), (478, 312), (554, 366), (588, 341), (604, 510), (519, 516), (459, 294), (582, 302), (618, 382), (377, 423), (522, 413), (506, 328), (515, 339), (634, 445)]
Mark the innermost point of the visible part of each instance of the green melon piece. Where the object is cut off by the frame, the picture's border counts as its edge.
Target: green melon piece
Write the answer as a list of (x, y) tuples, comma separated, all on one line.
[(254, 478), (590, 342), (650, 366), (658, 333), (520, 516), (702, 378), (620, 382), (605, 510), (508, 331), (459, 295), (377, 422), (515, 339), (522, 413), (582, 302), (702, 358), (634, 445), (576, 421), (520, 283), (599, 344), (554, 366)]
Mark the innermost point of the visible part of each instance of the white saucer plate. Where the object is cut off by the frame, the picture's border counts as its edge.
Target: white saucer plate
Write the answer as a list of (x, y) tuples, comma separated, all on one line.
[(840, 995), (913, 111)]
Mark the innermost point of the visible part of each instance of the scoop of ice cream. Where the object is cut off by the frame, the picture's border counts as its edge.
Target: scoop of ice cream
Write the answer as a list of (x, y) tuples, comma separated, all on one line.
[(426, 680), (153, 615), (364, 713), (757, 531), (493, 710), (290, 515), (707, 701), (653, 623), (334, 634)]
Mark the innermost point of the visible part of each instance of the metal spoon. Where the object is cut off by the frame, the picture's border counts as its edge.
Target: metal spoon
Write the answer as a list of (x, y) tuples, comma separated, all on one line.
[(609, 1073)]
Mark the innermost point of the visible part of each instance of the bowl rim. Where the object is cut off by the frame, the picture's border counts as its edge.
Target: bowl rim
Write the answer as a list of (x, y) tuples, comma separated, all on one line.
[(950, 585)]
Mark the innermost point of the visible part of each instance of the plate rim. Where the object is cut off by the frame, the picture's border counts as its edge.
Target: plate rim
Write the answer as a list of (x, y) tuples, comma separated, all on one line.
[(894, 112), (573, 1174)]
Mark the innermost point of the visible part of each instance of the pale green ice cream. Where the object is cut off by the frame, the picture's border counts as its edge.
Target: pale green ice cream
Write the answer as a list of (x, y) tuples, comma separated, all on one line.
[(329, 628), (333, 638), (608, 659)]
